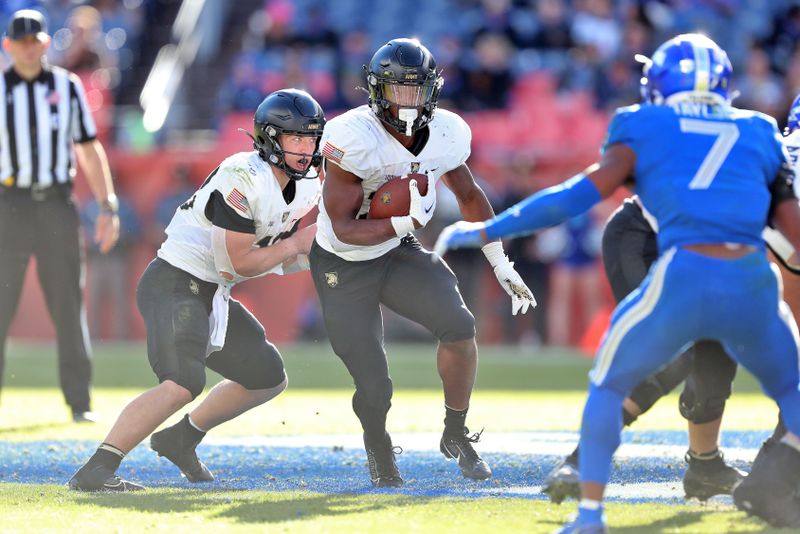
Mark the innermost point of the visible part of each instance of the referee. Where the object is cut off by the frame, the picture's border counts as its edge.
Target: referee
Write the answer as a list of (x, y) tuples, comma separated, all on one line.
[(43, 115)]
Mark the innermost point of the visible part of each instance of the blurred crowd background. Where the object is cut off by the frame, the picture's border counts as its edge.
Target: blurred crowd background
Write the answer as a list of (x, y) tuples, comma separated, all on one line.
[(170, 81)]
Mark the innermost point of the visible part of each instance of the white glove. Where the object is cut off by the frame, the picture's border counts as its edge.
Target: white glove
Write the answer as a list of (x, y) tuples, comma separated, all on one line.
[(510, 280), (521, 296), (420, 210)]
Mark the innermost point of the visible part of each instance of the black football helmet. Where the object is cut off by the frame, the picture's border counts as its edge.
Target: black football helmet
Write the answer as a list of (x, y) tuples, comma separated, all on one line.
[(288, 111), (403, 73)]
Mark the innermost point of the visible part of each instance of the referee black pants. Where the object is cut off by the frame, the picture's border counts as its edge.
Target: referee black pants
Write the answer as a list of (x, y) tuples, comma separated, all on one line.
[(48, 229)]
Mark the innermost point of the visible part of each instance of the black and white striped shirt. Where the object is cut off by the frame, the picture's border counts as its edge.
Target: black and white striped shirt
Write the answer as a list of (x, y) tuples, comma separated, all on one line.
[(39, 122)]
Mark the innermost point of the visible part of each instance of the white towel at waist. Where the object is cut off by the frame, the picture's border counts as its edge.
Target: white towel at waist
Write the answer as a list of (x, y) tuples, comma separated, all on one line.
[(218, 319)]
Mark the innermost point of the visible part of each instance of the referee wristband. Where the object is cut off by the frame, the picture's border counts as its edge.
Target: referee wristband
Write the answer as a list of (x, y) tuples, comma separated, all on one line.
[(402, 225), (110, 205)]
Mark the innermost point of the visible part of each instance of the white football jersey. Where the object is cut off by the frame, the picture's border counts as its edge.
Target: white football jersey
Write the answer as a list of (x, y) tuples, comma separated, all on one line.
[(357, 142), (792, 144), (252, 200)]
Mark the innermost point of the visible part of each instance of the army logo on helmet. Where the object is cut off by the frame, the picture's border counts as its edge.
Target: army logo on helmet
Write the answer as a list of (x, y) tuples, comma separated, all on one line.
[(332, 279)]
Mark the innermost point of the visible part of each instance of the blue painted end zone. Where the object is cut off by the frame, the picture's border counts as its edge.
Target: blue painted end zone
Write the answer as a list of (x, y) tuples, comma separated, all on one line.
[(343, 470)]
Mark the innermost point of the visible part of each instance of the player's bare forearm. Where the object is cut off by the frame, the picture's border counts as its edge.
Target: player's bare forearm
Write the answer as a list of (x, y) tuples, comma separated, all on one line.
[(248, 260), (363, 231), (787, 220), (94, 163), (343, 195), (472, 200)]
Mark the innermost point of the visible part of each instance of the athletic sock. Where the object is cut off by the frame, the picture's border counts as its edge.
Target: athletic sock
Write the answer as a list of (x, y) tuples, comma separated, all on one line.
[(454, 420), (590, 512), (191, 430), (708, 461), (627, 418), (107, 456)]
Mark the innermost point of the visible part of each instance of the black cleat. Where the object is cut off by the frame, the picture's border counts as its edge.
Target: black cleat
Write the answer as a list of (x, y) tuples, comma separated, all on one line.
[(459, 447), (770, 491), (100, 478), (383, 469), (173, 444), (563, 482), (716, 478)]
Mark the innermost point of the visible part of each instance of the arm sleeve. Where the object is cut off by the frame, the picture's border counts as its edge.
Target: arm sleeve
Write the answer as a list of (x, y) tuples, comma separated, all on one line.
[(83, 127), (548, 207)]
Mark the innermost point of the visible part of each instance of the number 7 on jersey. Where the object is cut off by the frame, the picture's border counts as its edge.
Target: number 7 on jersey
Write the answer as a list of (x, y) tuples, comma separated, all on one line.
[(726, 134)]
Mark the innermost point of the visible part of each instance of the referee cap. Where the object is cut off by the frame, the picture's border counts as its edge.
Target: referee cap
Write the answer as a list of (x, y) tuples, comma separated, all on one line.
[(26, 22)]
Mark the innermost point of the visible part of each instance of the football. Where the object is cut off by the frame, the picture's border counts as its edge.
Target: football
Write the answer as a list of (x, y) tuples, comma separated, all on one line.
[(393, 199)]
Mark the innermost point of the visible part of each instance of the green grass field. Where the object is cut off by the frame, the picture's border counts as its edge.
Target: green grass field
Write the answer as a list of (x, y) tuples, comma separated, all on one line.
[(517, 390)]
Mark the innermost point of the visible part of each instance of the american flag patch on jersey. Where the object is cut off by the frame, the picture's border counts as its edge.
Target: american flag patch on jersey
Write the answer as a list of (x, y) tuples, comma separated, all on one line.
[(236, 199), (333, 153)]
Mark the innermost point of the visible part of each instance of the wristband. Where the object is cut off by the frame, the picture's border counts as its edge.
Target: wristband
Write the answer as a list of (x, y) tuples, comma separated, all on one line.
[(402, 225), (494, 253), (110, 204)]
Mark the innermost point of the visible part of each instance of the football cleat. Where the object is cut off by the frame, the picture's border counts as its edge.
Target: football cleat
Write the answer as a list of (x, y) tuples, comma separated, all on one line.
[(100, 478), (175, 446), (458, 446), (383, 469), (717, 478), (562, 482), (770, 490)]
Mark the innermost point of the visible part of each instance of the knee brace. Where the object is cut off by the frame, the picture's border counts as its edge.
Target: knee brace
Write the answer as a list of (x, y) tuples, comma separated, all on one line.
[(701, 410), (661, 383)]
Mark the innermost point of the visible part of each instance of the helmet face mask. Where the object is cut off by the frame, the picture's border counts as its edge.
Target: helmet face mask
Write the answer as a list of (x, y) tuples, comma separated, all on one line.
[(689, 63), (287, 112), (404, 85)]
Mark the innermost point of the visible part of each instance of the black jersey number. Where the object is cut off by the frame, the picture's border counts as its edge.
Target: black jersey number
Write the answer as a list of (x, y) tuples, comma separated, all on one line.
[(189, 204)]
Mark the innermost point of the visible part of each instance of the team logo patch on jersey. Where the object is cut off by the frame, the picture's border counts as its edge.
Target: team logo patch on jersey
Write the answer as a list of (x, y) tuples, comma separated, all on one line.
[(414, 167), (285, 216), (332, 152), (332, 279), (193, 287), (53, 98), (236, 199)]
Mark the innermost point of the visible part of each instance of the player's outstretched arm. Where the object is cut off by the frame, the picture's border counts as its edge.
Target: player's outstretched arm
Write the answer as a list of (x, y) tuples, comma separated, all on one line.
[(475, 206), (343, 195), (236, 257), (550, 206)]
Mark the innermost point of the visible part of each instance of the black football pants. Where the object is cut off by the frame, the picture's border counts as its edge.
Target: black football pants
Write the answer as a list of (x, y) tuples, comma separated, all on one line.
[(49, 230)]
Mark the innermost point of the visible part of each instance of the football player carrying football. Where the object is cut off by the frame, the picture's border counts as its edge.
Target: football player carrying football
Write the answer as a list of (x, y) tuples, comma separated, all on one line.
[(358, 263), (241, 223)]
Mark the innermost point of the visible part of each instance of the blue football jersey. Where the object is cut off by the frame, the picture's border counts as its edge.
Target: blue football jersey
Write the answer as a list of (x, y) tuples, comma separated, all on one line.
[(702, 170)]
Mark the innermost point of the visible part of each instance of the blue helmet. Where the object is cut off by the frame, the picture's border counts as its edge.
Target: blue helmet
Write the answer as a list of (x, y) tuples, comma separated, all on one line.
[(687, 63), (793, 120)]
